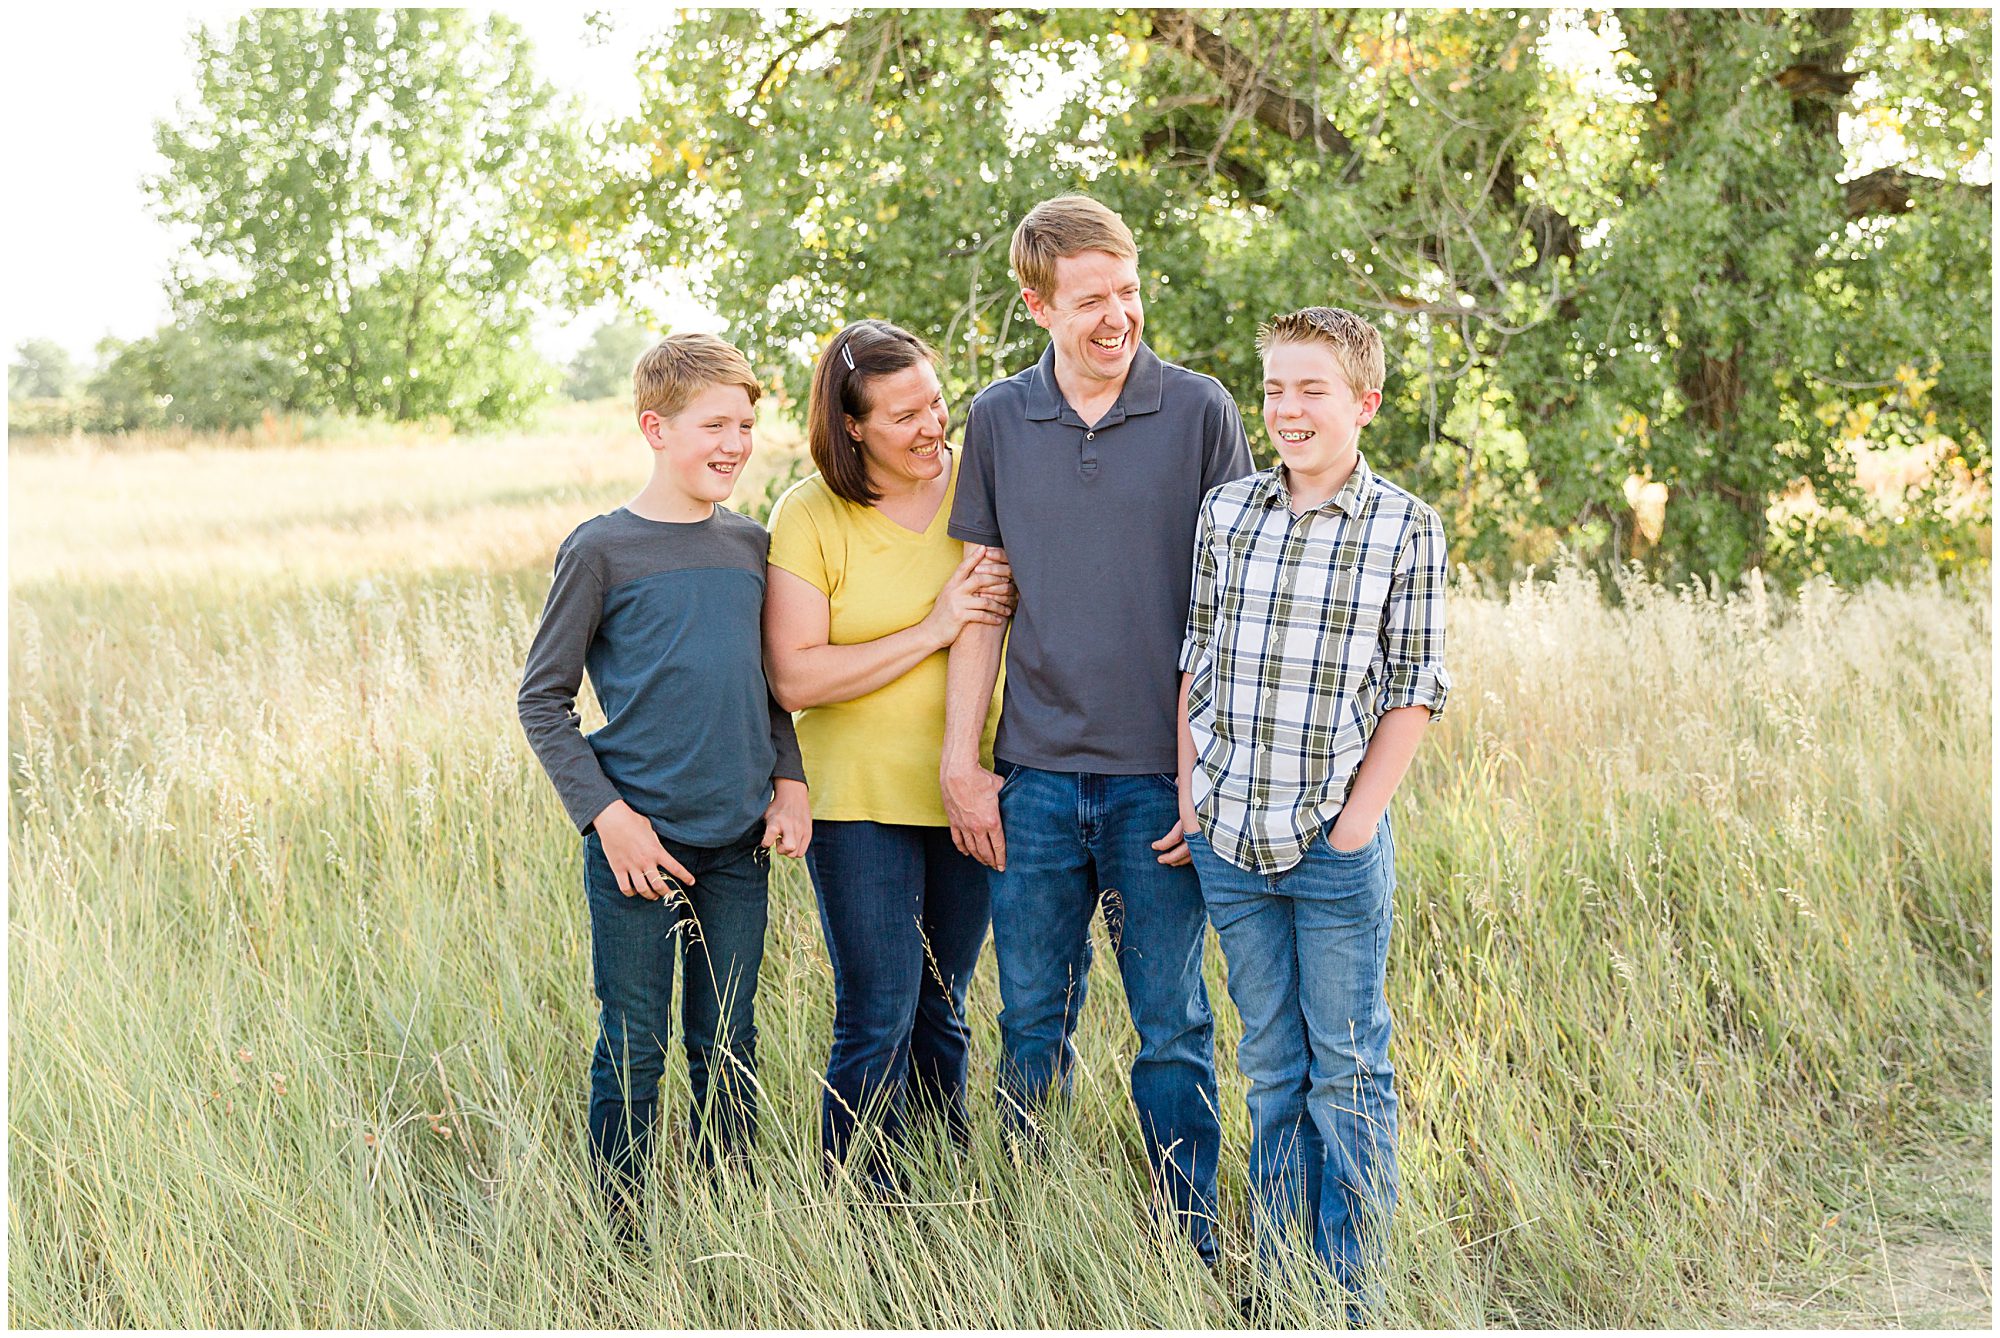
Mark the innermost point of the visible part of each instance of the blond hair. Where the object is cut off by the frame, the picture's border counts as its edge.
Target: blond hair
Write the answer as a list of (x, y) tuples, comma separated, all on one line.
[(1356, 345), (681, 366), (1066, 226)]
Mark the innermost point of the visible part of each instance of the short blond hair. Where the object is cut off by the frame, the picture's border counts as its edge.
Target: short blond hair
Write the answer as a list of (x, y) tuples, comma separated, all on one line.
[(681, 366), (1066, 226), (1356, 345)]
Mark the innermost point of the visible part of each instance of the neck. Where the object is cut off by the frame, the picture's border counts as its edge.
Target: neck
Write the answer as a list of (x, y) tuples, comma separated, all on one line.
[(1082, 390), (660, 499), (1309, 490)]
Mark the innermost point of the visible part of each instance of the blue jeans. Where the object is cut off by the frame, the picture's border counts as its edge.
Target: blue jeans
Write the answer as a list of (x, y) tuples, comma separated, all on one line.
[(904, 915), (1072, 836), (716, 927), (1306, 950)]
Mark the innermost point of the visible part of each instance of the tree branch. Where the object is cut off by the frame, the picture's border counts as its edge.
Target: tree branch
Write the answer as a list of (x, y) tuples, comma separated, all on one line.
[(1291, 117)]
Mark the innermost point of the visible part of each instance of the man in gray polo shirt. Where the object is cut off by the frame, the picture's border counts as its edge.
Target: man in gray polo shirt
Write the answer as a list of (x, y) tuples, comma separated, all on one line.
[(1088, 469)]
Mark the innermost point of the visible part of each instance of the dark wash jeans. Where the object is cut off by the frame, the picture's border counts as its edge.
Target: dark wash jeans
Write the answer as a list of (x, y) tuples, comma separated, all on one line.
[(1073, 839), (716, 928), (904, 915), (1307, 950)]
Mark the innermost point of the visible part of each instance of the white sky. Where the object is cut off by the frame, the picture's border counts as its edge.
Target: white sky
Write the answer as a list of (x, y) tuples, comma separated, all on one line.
[(81, 256)]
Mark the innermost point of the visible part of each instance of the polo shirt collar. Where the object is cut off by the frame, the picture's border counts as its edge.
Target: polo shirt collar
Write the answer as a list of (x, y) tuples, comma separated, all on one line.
[(1141, 394), (1353, 497)]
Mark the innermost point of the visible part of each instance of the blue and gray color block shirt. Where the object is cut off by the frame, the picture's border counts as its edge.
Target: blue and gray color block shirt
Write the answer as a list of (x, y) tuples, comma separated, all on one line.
[(667, 619)]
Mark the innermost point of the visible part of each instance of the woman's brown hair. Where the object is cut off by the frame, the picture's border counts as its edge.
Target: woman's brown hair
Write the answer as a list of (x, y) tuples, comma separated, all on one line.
[(860, 353)]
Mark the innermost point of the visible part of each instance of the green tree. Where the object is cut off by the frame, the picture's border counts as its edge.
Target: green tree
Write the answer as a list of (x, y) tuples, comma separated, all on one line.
[(1637, 246), (41, 370), (369, 193), (190, 377), (603, 366)]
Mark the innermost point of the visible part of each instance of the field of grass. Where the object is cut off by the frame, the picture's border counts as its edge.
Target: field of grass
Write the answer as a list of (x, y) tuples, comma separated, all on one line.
[(1692, 976)]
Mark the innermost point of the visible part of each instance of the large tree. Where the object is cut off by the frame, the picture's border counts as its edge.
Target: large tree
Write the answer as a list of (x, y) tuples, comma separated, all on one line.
[(371, 192), (1636, 247)]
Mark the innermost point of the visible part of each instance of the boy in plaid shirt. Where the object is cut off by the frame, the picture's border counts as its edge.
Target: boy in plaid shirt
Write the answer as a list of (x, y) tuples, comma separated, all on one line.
[(1314, 659)]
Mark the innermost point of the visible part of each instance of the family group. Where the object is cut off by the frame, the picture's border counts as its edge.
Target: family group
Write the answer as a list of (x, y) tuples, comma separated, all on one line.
[(1090, 660)]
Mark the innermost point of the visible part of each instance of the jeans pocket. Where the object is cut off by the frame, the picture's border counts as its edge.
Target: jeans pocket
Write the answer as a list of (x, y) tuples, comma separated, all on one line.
[(1367, 850)]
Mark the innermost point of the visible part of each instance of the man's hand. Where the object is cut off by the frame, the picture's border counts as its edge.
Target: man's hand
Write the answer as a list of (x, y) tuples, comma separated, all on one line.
[(788, 824), (972, 803), (1348, 834), (632, 848)]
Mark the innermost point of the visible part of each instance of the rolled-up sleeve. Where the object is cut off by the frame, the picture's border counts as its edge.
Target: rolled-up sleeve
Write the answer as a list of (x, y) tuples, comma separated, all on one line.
[(1201, 597), (1413, 625)]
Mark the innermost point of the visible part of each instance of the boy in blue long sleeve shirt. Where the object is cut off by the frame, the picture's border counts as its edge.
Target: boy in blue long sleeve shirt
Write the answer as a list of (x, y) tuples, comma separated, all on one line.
[(695, 773)]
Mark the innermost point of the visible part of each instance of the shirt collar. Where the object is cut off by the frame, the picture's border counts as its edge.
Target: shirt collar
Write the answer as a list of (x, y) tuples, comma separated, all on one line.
[(1353, 497), (1141, 393)]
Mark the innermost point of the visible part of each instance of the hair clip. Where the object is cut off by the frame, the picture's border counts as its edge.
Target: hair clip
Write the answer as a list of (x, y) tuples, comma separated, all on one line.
[(848, 354)]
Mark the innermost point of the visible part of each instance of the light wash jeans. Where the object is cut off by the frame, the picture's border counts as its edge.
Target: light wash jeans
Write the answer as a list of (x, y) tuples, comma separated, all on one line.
[(1306, 950)]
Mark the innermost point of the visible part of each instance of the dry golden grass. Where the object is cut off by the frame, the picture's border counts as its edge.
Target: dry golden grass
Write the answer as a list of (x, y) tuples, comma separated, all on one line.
[(1693, 952)]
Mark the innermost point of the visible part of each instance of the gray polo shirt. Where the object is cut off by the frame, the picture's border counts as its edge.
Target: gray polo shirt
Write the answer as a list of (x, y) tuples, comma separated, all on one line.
[(1098, 522)]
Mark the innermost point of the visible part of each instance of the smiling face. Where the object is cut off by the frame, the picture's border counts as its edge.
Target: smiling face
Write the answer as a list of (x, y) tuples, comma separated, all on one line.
[(699, 451), (1093, 315), (902, 436), (1313, 414)]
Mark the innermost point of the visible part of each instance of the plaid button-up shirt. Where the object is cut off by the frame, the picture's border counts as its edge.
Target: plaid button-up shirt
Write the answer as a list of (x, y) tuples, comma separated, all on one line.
[(1303, 630)]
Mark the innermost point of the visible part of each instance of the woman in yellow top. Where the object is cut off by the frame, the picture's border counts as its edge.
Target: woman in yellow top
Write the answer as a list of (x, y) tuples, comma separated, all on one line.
[(866, 593)]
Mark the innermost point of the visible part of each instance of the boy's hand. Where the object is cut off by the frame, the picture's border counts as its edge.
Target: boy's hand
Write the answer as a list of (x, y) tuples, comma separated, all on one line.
[(632, 848), (1348, 834), (1173, 846), (788, 824)]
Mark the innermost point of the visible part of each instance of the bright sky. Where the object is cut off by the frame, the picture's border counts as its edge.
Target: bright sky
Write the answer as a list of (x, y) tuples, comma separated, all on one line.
[(80, 90)]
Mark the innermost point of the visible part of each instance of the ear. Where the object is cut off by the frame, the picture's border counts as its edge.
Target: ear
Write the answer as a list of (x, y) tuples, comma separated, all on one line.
[(1037, 309), (853, 427), (1369, 404), (651, 425)]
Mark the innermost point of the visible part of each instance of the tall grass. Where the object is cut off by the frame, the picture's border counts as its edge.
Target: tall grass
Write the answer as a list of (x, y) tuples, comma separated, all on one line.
[(1694, 932)]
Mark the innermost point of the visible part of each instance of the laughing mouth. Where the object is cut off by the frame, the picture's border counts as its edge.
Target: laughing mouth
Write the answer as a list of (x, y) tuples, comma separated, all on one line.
[(924, 452), (1293, 436), (1112, 345), (724, 467)]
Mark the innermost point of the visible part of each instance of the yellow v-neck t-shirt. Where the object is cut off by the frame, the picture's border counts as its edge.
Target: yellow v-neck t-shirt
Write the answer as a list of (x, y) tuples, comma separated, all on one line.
[(875, 758)]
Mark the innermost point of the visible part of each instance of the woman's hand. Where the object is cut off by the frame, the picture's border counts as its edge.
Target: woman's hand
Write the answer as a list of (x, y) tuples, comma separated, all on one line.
[(981, 590)]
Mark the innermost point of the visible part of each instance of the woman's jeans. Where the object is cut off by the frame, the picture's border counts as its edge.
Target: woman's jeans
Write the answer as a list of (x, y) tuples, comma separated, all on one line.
[(904, 915), (716, 927), (1306, 950)]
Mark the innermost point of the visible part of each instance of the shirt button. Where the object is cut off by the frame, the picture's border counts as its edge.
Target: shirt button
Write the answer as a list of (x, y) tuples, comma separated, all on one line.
[(1090, 436)]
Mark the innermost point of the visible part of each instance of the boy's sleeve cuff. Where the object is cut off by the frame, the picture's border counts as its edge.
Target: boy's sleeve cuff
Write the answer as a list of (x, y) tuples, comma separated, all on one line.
[(586, 804), (1192, 654), (1418, 685)]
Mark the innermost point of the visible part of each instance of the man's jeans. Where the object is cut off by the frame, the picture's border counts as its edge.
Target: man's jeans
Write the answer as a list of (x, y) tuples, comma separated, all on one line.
[(716, 926), (904, 914), (1306, 950), (1071, 837)]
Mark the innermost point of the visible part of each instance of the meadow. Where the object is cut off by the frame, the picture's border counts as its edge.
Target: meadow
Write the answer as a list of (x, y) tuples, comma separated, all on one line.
[(1692, 970)]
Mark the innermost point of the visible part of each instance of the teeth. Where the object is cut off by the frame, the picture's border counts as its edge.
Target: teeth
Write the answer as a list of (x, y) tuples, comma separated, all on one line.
[(1294, 436), (1119, 342)]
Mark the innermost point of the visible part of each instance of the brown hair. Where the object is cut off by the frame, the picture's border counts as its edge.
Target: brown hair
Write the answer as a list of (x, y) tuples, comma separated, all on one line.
[(857, 355), (681, 366), (1065, 226), (1356, 345)]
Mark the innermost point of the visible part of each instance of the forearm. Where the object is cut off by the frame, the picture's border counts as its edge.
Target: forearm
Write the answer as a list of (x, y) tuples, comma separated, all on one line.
[(822, 675), (973, 668), (1386, 762), (1184, 737)]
